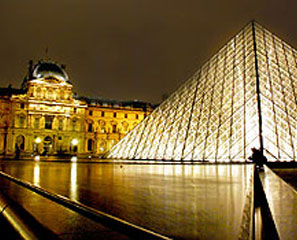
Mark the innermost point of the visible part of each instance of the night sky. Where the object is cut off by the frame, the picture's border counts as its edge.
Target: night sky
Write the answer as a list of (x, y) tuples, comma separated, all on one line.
[(129, 49)]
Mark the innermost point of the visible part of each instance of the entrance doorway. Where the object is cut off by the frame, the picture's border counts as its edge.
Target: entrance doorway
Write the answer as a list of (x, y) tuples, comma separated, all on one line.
[(47, 145)]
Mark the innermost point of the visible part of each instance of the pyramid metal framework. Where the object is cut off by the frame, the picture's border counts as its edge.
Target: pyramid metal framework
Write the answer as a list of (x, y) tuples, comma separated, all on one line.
[(243, 97)]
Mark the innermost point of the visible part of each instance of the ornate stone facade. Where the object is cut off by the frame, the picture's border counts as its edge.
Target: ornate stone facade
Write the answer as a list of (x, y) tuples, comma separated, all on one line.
[(45, 118)]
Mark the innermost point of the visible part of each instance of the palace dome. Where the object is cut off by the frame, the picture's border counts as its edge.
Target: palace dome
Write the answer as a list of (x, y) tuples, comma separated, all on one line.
[(49, 69)]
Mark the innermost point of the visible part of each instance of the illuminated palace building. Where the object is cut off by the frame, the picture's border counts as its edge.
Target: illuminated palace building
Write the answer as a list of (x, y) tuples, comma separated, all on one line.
[(243, 97), (45, 117)]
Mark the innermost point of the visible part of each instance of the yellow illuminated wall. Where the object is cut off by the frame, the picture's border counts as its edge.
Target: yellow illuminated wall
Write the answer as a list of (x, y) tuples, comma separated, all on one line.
[(44, 118), (107, 125), (215, 115)]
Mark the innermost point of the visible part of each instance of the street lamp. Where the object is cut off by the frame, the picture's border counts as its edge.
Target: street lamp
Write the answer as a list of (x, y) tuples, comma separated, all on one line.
[(37, 141), (74, 142)]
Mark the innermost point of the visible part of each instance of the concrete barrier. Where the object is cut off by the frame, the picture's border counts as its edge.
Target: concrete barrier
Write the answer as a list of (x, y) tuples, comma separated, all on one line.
[(119, 225), (247, 223), (22, 222), (282, 202)]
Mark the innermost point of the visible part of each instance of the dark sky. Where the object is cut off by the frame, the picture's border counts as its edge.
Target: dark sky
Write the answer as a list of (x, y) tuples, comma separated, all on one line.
[(129, 49)]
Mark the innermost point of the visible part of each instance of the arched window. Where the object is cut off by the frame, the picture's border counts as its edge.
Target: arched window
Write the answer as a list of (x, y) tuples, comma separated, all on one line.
[(113, 127), (20, 142), (102, 146), (125, 126), (90, 145), (47, 144), (102, 127)]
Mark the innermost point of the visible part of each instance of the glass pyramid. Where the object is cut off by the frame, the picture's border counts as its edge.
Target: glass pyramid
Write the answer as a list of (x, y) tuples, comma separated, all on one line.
[(243, 97)]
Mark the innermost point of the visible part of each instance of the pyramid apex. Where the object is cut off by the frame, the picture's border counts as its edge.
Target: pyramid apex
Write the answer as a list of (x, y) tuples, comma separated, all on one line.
[(217, 115)]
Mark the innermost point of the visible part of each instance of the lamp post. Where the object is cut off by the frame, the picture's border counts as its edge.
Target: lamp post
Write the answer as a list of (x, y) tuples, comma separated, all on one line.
[(37, 141), (74, 143)]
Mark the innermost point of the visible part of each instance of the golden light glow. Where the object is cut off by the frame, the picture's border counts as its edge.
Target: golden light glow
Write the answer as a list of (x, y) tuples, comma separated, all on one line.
[(73, 181), (74, 142), (215, 115), (36, 175), (64, 124)]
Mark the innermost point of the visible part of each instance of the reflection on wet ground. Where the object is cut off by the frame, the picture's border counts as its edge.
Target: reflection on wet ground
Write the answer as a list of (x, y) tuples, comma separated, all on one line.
[(181, 201)]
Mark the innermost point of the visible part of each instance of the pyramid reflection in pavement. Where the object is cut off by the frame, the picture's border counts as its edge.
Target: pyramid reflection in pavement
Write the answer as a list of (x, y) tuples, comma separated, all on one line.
[(243, 97)]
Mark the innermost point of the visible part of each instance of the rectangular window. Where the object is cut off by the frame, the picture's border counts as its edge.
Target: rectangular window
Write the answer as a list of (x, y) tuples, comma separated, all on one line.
[(114, 115), (48, 122), (73, 125), (22, 121), (90, 127), (60, 124), (22, 105), (74, 110), (114, 128), (36, 123), (126, 115), (91, 113), (102, 114), (137, 116)]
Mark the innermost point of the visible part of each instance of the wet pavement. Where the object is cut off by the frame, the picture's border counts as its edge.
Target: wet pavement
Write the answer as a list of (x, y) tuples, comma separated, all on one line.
[(50, 220), (180, 201)]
